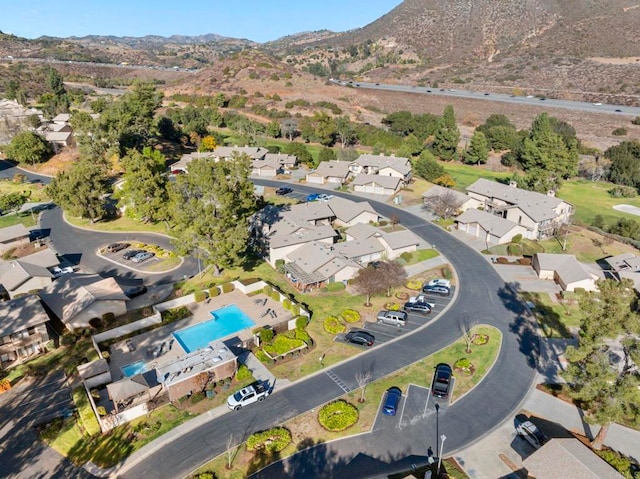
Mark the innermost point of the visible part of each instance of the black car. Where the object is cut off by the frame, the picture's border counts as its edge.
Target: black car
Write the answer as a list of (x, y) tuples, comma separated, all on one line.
[(115, 247), (360, 337), (285, 190), (134, 291), (417, 307), (391, 401), (441, 381), (439, 290), (132, 253)]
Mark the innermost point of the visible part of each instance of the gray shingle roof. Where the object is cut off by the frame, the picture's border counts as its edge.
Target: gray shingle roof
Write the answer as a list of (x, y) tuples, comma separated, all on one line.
[(281, 159), (254, 152), (401, 239), (334, 168), (489, 222), (317, 262), (389, 182), (355, 248), (566, 266), (313, 211), (364, 230), (20, 314), (624, 262), (11, 233), (345, 210), (17, 272), (400, 164)]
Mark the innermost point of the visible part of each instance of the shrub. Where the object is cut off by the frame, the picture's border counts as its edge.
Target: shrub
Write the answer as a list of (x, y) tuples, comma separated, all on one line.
[(414, 284), (5, 385), (350, 316), (271, 440), (106, 355), (108, 318), (275, 295), (175, 314), (502, 260), (406, 256), (517, 238), (619, 462), (392, 306), (280, 266), (619, 132), (295, 309), (284, 343), (267, 290), (462, 363), (197, 397), (101, 411), (205, 475), (199, 296), (266, 335), (243, 373), (301, 322), (402, 295), (332, 325), (228, 287), (621, 191), (446, 273), (338, 415), (480, 339), (95, 323), (286, 304), (213, 291), (68, 339), (333, 287)]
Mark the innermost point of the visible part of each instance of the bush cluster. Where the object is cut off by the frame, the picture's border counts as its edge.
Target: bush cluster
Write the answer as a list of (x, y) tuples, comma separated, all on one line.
[(199, 296), (338, 415), (350, 316), (213, 291), (271, 440), (265, 334), (414, 284), (301, 322), (332, 325), (406, 256), (228, 287), (243, 373), (175, 314)]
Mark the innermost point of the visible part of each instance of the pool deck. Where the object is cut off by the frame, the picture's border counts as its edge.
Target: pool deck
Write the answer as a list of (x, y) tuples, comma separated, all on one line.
[(148, 347)]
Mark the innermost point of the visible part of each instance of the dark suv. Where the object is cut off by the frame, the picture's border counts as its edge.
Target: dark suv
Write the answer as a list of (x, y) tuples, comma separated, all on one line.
[(439, 290), (417, 307), (441, 381)]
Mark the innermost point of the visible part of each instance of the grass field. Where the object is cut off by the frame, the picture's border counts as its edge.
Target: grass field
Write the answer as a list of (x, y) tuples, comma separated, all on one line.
[(464, 175)]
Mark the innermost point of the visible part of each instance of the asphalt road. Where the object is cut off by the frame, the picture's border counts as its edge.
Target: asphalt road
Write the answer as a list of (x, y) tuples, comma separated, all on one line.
[(530, 100), (483, 298)]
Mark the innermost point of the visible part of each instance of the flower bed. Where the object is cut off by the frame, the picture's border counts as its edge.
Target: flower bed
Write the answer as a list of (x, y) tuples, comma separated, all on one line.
[(338, 415), (480, 339), (350, 316), (333, 325)]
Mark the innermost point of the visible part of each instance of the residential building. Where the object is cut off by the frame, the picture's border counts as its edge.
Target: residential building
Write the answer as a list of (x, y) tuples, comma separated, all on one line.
[(565, 270), (13, 237), (75, 299), (492, 229), (377, 184), (220, 153), (567, 457), (350, 213), (94, 374), (334, 172), (453, 198), (627, 262), (28, 273), (382, 165), (133, 391), (540, 214), (23, 330)]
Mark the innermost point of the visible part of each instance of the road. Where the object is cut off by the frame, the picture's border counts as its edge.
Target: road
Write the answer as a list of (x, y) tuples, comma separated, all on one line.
[(622, 110), (483, 298)]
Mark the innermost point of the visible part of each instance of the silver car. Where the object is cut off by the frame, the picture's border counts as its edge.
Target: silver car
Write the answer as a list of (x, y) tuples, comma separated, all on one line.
[(144, 256)]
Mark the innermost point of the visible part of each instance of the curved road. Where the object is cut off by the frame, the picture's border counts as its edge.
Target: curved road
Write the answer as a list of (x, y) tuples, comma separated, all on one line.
[(483, 298)]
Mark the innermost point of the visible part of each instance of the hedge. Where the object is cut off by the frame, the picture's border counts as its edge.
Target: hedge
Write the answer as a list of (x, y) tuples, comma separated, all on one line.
[(282, 344), (350, 316), (228, 287), (243, 373), (213, 291), (301, 322), (333, 325), (267, 290), (271, 440), (87, 417), (286, 304), (338, 415), (199, 296)]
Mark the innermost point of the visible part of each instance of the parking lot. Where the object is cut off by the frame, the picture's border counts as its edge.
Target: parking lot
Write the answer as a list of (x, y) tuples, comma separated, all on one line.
[(119, 257)]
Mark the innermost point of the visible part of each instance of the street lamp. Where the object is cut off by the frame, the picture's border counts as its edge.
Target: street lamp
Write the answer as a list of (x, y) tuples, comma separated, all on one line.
[(443, 437), (437, 429)]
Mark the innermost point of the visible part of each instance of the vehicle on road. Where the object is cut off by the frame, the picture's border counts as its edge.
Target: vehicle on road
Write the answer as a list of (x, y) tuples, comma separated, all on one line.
[(419, 307), (255, 392), (438, 290), (529, 431), (618, 110), (142, 257), (397, 318), (115, 247), (132, 253), (441, 381), (284, 190), (439, 282), (598, 103), (324, 197), (313, 197), (57, 271), (134, 291), (360, 337), (391, 401)]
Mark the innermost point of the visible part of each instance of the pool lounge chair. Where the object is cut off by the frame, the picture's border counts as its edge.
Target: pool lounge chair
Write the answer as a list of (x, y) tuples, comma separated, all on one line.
[(265, 313)]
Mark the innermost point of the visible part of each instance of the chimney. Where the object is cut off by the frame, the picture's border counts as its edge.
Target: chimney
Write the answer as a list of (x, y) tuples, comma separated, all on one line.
[(551, 193), (513, 184)]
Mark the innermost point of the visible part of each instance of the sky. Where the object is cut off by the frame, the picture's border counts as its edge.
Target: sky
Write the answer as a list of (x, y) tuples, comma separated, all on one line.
[(257, 20)]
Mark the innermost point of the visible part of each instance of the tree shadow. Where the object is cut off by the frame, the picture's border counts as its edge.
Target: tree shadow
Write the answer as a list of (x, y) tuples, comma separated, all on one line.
[(524, 327)]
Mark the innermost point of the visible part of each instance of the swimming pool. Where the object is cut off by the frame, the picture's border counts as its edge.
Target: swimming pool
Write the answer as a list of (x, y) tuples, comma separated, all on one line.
[(225, 322), (132, 369)]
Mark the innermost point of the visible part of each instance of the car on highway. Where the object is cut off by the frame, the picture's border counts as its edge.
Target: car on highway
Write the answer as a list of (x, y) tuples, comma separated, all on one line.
[(438, 290), (441, 381), (391, 401), (284, 190), (132, 253), (134, 291), (313, 197), (598, 103), (418, 307), (360, 337), (618, 110), (115, 247), (142, 257), (529, 431)]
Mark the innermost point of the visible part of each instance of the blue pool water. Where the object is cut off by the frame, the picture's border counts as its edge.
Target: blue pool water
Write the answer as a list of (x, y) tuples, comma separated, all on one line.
[(225, 322), (134, 368)]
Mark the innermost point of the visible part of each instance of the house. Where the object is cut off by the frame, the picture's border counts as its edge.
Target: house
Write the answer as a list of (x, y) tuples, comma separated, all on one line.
[(23, 330), (286, 162), (627, 262), (567, 457), (59, 139), (220, 153), (75, 299), (134, 390), (377, 184), (565, 270), (397, 242), (94, 374), (190, 373), (315, 264), (361, 251), (350, 213), (453, 198), (272, 164), (333, 171), (183, 162), (61, 118), (13, 237), (28, 273), (490, 228), (382, 165), (540, 214)]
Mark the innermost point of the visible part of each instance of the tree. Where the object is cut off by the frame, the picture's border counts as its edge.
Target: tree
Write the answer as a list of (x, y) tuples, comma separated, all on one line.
[(273, 129), (411, 146), (208, 143), (393, 274), (27, 147), (427, 166), (499, 132), (211, 206), (12, 202), (289, 128), (625, 163), (369, 281), (81, 190), (326, 154), (299, 151), (445, 204), (608, 390), (144, 191), (447, 135), (345, 131), (363, 378), (478, 150)]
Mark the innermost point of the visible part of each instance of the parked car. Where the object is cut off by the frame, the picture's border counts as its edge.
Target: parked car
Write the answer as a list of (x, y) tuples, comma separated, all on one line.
[(57, 271), (323, 197), (439, 282), (391, 401), (397, 318), (439, 290), (441, 381), (132, 253), (134, 291), (313, 197), (360, 337), (115, 247), (418, 307), (284, 190), (141, 257), (529, 431)]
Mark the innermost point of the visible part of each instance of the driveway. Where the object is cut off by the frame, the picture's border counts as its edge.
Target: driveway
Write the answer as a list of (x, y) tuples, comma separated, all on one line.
[(526, 279)]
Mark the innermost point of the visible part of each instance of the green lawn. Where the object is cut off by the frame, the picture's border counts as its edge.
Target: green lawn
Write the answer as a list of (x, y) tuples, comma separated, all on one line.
[(123, 224), (555, 318), (87, 417), (464, 175), (13, 219)]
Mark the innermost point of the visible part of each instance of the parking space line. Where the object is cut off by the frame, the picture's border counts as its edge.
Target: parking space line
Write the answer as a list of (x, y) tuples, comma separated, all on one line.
[(404, 403)]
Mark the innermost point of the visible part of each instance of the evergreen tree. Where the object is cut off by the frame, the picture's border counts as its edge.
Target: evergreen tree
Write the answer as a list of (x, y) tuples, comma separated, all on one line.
[(478, 150), (27, 147), (447, 135), (426, 166)]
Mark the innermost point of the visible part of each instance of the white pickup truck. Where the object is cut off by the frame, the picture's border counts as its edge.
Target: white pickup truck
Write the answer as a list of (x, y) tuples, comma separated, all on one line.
[(248, 395)]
